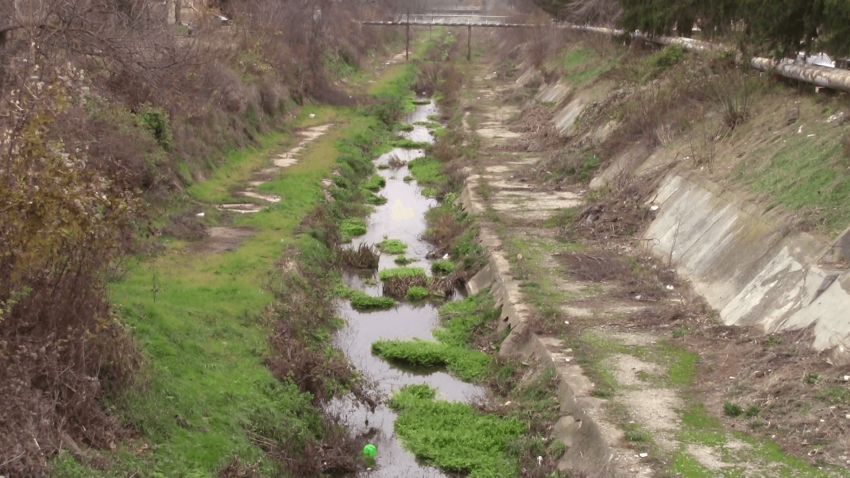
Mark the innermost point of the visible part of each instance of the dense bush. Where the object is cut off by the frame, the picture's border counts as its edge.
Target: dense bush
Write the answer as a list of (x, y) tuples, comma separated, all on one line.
[(775, 27)]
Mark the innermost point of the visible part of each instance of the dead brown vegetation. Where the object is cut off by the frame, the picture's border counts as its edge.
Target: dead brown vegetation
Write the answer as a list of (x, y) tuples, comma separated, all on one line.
[(620, 213), (364, 256)]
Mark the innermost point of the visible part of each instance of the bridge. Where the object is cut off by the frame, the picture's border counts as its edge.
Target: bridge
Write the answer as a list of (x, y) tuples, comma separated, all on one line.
[(438, 19)]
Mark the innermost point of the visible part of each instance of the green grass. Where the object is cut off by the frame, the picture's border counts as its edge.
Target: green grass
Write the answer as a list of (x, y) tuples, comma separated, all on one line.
[(442, 267), (403, 260), (408, 144), (401, 272), (466, 365), (363, 302), (375, 183), (454, 436), (462, 322), (427, 171), (392, 246), (374, 199), (236, 166), (804, 176), (417, 293), (351, 227)]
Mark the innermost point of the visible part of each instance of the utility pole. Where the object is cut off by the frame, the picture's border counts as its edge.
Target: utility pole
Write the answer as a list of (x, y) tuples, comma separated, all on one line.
[(469, 43), (407, 45)]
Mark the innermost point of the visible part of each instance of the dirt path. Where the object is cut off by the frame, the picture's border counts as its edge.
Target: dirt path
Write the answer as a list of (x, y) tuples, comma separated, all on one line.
[(262, 176)]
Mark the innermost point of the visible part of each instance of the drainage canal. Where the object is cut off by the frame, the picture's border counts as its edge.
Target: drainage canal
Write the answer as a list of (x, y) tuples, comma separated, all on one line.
[(403, 218)]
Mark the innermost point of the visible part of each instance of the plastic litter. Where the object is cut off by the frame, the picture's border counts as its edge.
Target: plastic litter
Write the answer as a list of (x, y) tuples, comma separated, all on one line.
[(370, 450)]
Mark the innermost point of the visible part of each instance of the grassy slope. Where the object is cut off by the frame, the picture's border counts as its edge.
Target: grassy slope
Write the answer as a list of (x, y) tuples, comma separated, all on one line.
[(197, 317)]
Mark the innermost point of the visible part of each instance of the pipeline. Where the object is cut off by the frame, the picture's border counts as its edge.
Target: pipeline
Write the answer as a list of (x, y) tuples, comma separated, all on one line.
[(833, 78)]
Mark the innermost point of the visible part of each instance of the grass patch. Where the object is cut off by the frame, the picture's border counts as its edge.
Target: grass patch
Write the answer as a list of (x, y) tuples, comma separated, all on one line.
[(442, 267), (454, 436), (401, 273), (361, 301), (351, 227), (374, 199), (375, 183), (406, 143), (463, 322), (803, 176), (466, 365), (417, 293), (392, 246), (732, 409), (427, 171), (403, 260)]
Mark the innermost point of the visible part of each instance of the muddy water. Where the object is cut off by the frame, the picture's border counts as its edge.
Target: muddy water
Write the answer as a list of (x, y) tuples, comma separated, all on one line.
[(402, 217)]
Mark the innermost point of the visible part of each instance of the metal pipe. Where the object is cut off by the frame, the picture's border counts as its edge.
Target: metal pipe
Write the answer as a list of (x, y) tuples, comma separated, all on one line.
[(833, 78)]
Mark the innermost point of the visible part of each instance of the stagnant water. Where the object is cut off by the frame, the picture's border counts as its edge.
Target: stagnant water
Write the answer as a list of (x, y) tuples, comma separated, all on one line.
[(402, 217)]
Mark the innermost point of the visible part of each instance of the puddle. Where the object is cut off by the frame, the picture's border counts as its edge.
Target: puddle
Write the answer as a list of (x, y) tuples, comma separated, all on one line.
[(402, 217), (280, 162)]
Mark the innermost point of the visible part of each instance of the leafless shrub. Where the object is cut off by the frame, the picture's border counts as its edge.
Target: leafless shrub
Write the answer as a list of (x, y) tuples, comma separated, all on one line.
[(365, 256), (702, 146), (428, 76), (735, 92), (395, 163), (595, 267)]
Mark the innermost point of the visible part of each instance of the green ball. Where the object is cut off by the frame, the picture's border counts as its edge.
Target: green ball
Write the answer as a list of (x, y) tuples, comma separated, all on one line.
[(370, 450)]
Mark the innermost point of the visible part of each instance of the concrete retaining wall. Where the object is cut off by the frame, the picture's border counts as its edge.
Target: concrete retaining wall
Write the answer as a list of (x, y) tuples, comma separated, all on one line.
[(753, 271)]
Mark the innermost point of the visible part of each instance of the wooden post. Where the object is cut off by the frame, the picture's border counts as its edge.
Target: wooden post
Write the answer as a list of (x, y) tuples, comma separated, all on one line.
[(178, 5), (407, 45), (469, 43)]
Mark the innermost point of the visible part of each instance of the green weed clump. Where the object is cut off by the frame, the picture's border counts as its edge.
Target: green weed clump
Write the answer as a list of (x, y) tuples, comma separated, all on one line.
[(454, 436), (405, 127), (401, 273), (392, 246), (468, 365), (405, 143), (375, 183), (732, 409), (442, 267), (463, 321), (351, 227), (362, 301), (403, 260), (417, 293), (427, 171), (374, 199)]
